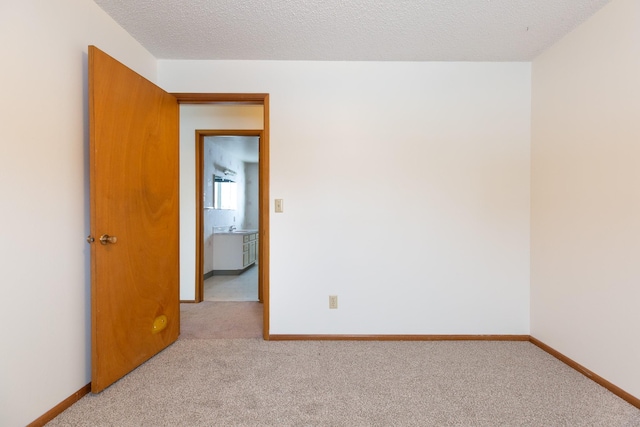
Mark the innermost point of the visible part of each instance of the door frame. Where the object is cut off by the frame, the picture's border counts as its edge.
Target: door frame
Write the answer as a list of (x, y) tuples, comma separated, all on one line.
[(200, 140), (263, 189)]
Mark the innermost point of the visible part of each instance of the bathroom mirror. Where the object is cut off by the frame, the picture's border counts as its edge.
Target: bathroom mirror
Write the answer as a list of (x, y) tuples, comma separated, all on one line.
[(225, 193)]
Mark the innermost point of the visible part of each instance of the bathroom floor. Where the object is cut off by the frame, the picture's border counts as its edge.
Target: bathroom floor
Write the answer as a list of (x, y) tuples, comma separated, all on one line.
[(243, 287)]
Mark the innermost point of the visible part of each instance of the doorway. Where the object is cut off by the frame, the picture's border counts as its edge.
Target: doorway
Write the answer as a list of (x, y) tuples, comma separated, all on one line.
[(263, 196), (229, 187)]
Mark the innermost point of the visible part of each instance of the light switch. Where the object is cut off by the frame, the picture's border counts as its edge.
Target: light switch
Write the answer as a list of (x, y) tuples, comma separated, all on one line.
[(279, 207)]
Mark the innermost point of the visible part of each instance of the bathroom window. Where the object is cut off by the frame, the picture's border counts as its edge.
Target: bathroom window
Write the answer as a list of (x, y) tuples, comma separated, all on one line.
[(225, 193)]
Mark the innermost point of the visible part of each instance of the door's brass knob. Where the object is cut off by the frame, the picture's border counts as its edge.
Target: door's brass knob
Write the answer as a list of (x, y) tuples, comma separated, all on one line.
[(105, 239), (90, 239)]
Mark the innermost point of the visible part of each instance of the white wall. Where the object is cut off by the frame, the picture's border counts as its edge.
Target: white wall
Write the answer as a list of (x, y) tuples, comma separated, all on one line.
[(406, 192), (252, 197), (201, 117), (585, 270), (44, 290)]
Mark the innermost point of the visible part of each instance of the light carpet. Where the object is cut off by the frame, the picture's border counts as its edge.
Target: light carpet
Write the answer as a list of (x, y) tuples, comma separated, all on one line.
[(251, 382), (214, 320)]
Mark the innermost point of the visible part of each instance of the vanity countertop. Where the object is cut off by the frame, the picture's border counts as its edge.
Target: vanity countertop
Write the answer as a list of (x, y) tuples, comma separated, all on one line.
[(237, 232)]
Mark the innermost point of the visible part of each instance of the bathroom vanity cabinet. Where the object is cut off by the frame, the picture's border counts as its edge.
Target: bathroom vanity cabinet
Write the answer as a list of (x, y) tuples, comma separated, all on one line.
[(234, 252)]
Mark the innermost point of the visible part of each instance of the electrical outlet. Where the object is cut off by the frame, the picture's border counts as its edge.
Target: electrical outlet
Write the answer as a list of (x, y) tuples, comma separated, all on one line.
[(333, 301)]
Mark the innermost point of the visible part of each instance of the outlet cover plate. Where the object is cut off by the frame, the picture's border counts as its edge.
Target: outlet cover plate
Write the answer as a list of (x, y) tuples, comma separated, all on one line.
[(333, 301)]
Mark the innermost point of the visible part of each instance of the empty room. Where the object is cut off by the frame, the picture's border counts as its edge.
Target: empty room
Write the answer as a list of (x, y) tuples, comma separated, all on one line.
[(449, 211)]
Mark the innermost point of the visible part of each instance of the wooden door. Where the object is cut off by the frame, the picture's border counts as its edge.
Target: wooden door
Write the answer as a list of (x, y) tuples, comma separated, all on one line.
[(135, 308)]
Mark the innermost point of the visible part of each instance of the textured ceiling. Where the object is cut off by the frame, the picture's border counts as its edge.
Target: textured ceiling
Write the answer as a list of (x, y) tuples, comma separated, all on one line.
[(349, 30)]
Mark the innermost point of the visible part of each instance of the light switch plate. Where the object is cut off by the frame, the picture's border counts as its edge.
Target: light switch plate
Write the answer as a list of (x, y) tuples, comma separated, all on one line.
[(279, 206)]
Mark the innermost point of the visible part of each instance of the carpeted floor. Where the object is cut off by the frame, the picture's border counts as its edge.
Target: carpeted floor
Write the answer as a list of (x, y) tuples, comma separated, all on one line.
[(251, 382), (215, 320)]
